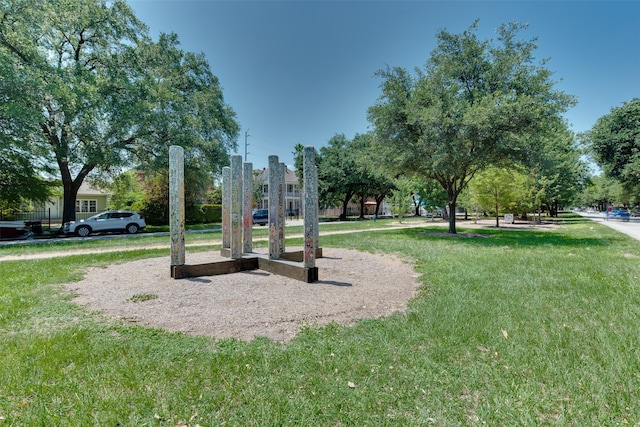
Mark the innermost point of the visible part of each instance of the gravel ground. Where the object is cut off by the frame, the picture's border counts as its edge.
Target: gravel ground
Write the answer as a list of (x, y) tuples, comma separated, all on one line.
[(353, 285)]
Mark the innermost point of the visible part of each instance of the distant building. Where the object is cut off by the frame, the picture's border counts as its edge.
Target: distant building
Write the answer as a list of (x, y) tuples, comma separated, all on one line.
[(293, 195)]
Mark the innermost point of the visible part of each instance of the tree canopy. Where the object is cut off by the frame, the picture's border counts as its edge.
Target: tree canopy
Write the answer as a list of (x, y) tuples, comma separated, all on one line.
[(105, 95), (615, 142), (471, 106), (20, 172), (347, 171)]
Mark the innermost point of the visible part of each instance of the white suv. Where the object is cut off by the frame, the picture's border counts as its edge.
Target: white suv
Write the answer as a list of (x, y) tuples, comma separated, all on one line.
[(122, 221)]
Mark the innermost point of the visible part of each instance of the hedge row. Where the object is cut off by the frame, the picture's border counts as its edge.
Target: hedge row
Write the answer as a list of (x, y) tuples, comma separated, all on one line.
[(158, 214)]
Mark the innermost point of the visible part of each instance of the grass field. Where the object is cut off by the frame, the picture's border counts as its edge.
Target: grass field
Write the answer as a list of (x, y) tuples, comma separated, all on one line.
[(519, 328)]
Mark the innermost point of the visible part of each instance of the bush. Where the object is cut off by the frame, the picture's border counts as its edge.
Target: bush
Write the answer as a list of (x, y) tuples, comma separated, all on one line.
[(203, 214), (212, 213), (158, 214)]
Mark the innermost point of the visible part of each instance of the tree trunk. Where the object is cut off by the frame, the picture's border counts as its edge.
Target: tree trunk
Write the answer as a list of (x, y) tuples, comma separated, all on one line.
[(70, 194), (379, 201), (497, 216), (70, 188), (343, 215), (362, 207), (416, 205), (452, 217)]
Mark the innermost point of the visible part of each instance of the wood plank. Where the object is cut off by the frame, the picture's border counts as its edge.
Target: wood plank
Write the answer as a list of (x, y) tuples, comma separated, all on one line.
[(214, 268)]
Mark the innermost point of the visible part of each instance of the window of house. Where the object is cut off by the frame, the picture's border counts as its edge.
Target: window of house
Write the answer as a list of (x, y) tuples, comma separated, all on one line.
[(86, 206)]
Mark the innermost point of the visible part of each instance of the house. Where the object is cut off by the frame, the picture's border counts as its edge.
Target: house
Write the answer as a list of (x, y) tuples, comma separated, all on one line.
[(293, 195), (89, 201)]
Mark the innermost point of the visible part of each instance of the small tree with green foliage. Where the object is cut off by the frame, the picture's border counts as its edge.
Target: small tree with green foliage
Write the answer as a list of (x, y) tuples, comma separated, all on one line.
[(497, 189), (401, 196)]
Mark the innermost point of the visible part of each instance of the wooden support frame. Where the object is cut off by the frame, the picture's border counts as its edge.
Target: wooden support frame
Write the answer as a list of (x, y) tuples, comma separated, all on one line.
[(236, 225), (282, 267)]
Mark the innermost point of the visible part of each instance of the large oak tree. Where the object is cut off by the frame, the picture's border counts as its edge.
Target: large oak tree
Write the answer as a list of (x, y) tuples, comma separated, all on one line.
[(615, 141), (474, 104), (108, 96)]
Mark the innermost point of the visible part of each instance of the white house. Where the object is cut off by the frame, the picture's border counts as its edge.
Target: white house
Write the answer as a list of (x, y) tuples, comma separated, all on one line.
[(293, 195), (88, 202)]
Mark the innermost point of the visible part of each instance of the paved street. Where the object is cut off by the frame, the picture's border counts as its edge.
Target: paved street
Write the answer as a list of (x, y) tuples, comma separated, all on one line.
[(631, 227)]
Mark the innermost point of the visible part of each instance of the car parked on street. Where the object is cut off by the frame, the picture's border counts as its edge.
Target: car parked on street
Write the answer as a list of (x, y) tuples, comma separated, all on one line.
[(261, 216), (116, 221), (618, 212)]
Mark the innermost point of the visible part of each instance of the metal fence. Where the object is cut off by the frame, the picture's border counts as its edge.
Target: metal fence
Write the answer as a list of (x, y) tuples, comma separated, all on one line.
[(39, 216)]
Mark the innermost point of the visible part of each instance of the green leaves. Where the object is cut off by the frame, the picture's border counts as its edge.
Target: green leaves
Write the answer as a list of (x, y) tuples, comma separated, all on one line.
[(104, 95), (467, 109), (615, 142)]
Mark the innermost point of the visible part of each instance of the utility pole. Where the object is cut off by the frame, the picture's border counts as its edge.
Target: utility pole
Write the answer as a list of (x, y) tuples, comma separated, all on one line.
[(246, 144)]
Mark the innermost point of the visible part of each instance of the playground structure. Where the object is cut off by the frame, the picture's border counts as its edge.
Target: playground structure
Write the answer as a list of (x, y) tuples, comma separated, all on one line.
[(237, 221)]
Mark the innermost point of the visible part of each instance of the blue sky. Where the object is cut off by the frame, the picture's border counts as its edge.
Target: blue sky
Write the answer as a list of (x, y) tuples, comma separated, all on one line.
[(303, 71)]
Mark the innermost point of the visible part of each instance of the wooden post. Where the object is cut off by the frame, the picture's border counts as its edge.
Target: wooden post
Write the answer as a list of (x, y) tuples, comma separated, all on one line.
[(316, 209), (226, 207), (247, 208), (282, 204), (310, 182), (274, 217), (236, 206), (176, 204)]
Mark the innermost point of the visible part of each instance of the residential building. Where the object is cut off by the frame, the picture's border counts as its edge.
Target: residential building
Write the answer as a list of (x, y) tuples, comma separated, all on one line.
[(293, 195), (89, 201)]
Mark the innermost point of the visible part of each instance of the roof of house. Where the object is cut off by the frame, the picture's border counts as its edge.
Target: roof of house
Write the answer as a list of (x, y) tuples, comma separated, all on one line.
[(289, 175), (87, 190)]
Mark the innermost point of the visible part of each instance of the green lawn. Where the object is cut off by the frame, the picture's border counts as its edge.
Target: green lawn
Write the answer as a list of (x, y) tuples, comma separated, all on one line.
[(520, 328)]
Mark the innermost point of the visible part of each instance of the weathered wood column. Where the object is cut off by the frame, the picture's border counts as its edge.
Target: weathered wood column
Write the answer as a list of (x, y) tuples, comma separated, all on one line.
[(274, 217), (282, 204), (236, 206), (247, 208), (176, 204), (226, 207), (310, 184), (316, 213)]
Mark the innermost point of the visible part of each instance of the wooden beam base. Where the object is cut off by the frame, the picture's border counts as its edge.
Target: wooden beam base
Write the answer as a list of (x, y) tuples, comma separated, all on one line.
[(281, 267), (214, 268), (296, 256)]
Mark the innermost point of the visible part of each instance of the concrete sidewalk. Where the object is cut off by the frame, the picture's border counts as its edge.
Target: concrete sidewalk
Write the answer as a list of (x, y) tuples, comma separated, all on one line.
[(630, 228)]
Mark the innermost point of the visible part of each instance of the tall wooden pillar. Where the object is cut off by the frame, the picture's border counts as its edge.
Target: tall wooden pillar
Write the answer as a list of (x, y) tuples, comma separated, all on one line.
[(247, 208), (310, 181), (176, 204), (226, 207), (282, 204), (236, 206), (274, 209)]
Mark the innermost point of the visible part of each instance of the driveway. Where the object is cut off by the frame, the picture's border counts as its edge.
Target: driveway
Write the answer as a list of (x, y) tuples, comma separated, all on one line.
[(630, 228)]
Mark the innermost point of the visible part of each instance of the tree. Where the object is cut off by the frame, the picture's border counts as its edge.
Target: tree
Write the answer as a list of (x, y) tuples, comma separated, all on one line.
[(109, 97), (557, 171), (470, 107), (601, 191), (126, 191), (401, 200), (496, 189), (20, 175), (338, 178), (615, 142), (374, 182)]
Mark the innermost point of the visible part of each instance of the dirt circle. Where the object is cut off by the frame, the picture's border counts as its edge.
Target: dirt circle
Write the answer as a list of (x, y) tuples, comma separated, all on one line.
[(353, 285)]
